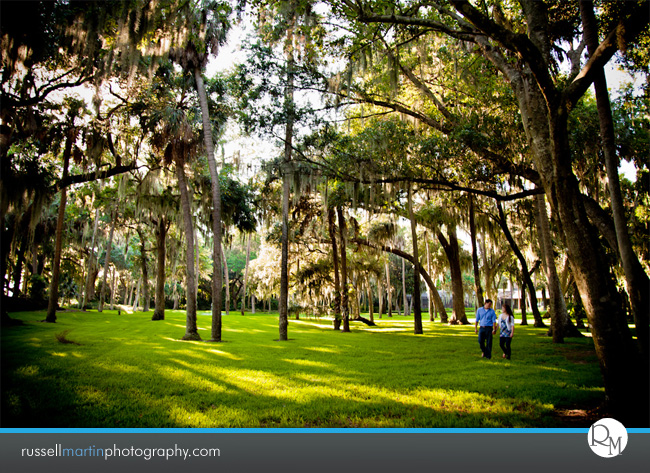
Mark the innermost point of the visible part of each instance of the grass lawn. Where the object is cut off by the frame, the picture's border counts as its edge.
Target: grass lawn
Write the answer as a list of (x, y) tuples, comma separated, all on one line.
[(127, 371)]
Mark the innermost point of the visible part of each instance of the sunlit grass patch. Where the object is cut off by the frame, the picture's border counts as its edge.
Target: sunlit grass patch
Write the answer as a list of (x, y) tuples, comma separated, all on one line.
[(131, 372)]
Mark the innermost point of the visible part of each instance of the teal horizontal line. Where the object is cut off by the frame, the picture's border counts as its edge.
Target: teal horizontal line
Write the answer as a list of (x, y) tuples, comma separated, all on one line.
[(304, 431)]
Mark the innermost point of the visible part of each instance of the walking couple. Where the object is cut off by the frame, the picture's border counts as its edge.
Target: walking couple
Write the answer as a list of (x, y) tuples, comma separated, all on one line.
[(486, 326)]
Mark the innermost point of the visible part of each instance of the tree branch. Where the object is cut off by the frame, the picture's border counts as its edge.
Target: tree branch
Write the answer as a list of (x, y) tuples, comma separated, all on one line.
[(91, 176), (423, 88), (603, 221), (501, 162), (627, 30), (398, 252), (365, 17), (518, 43), (15, 102)]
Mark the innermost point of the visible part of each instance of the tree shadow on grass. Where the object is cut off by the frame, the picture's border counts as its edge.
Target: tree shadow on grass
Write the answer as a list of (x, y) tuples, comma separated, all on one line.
[(389, 381)]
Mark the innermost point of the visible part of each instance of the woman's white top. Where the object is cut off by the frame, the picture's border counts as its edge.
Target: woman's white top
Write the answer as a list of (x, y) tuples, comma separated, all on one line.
[(506, 324)]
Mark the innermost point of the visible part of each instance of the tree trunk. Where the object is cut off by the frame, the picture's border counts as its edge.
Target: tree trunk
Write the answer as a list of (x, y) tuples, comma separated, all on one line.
[(288, 140), (161, 235), (18, 269), (472, 233), (335, 260), (175, 296), (90, 292), (431, 305), (559, 316), (56, 264), (396, 306), (417, 309), (453, 256), (6, 236), (512, 293), (558, 306), (625, 375), (404, 289), (134, 285), (34, 259), (545, 112), (626, 379), (356, 298), (489, 276), (522, 302), (437, 301), (217, 282), (397, 309), (284, 262), (635, 276), (91, 259), (191, 330), (380, 296), (25, 277), (107, 259), (197, 262), (389, 291), (128, 291), (371, 302), (579, 308), (136, 299), (226, 279), (248, 254), (524, 266), (112, 305), (345, 309), (146, 298)]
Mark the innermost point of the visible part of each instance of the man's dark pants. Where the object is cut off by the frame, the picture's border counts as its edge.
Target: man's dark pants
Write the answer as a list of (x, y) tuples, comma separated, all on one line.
[(485, 341)]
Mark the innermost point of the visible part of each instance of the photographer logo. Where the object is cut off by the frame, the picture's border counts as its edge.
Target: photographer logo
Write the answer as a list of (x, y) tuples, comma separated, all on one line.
[(607, 438)]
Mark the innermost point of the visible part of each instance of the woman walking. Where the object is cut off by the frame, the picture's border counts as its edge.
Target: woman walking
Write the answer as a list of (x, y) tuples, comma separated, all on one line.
[(507, 326)]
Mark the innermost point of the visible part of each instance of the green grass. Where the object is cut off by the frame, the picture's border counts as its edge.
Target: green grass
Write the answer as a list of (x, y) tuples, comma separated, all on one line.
[(127, 371)]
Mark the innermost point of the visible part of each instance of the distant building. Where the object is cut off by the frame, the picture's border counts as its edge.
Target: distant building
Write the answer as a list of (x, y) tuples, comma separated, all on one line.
[(510, 295)]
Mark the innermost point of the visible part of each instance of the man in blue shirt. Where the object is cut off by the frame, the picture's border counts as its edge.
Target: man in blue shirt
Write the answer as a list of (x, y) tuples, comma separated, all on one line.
[(486, 326)]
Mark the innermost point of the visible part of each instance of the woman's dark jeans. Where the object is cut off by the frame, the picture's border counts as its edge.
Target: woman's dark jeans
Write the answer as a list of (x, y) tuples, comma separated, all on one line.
[(504, 343)]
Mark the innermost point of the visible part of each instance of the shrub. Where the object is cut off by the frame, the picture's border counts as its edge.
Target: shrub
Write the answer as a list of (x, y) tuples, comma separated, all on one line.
[(37, 287)]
